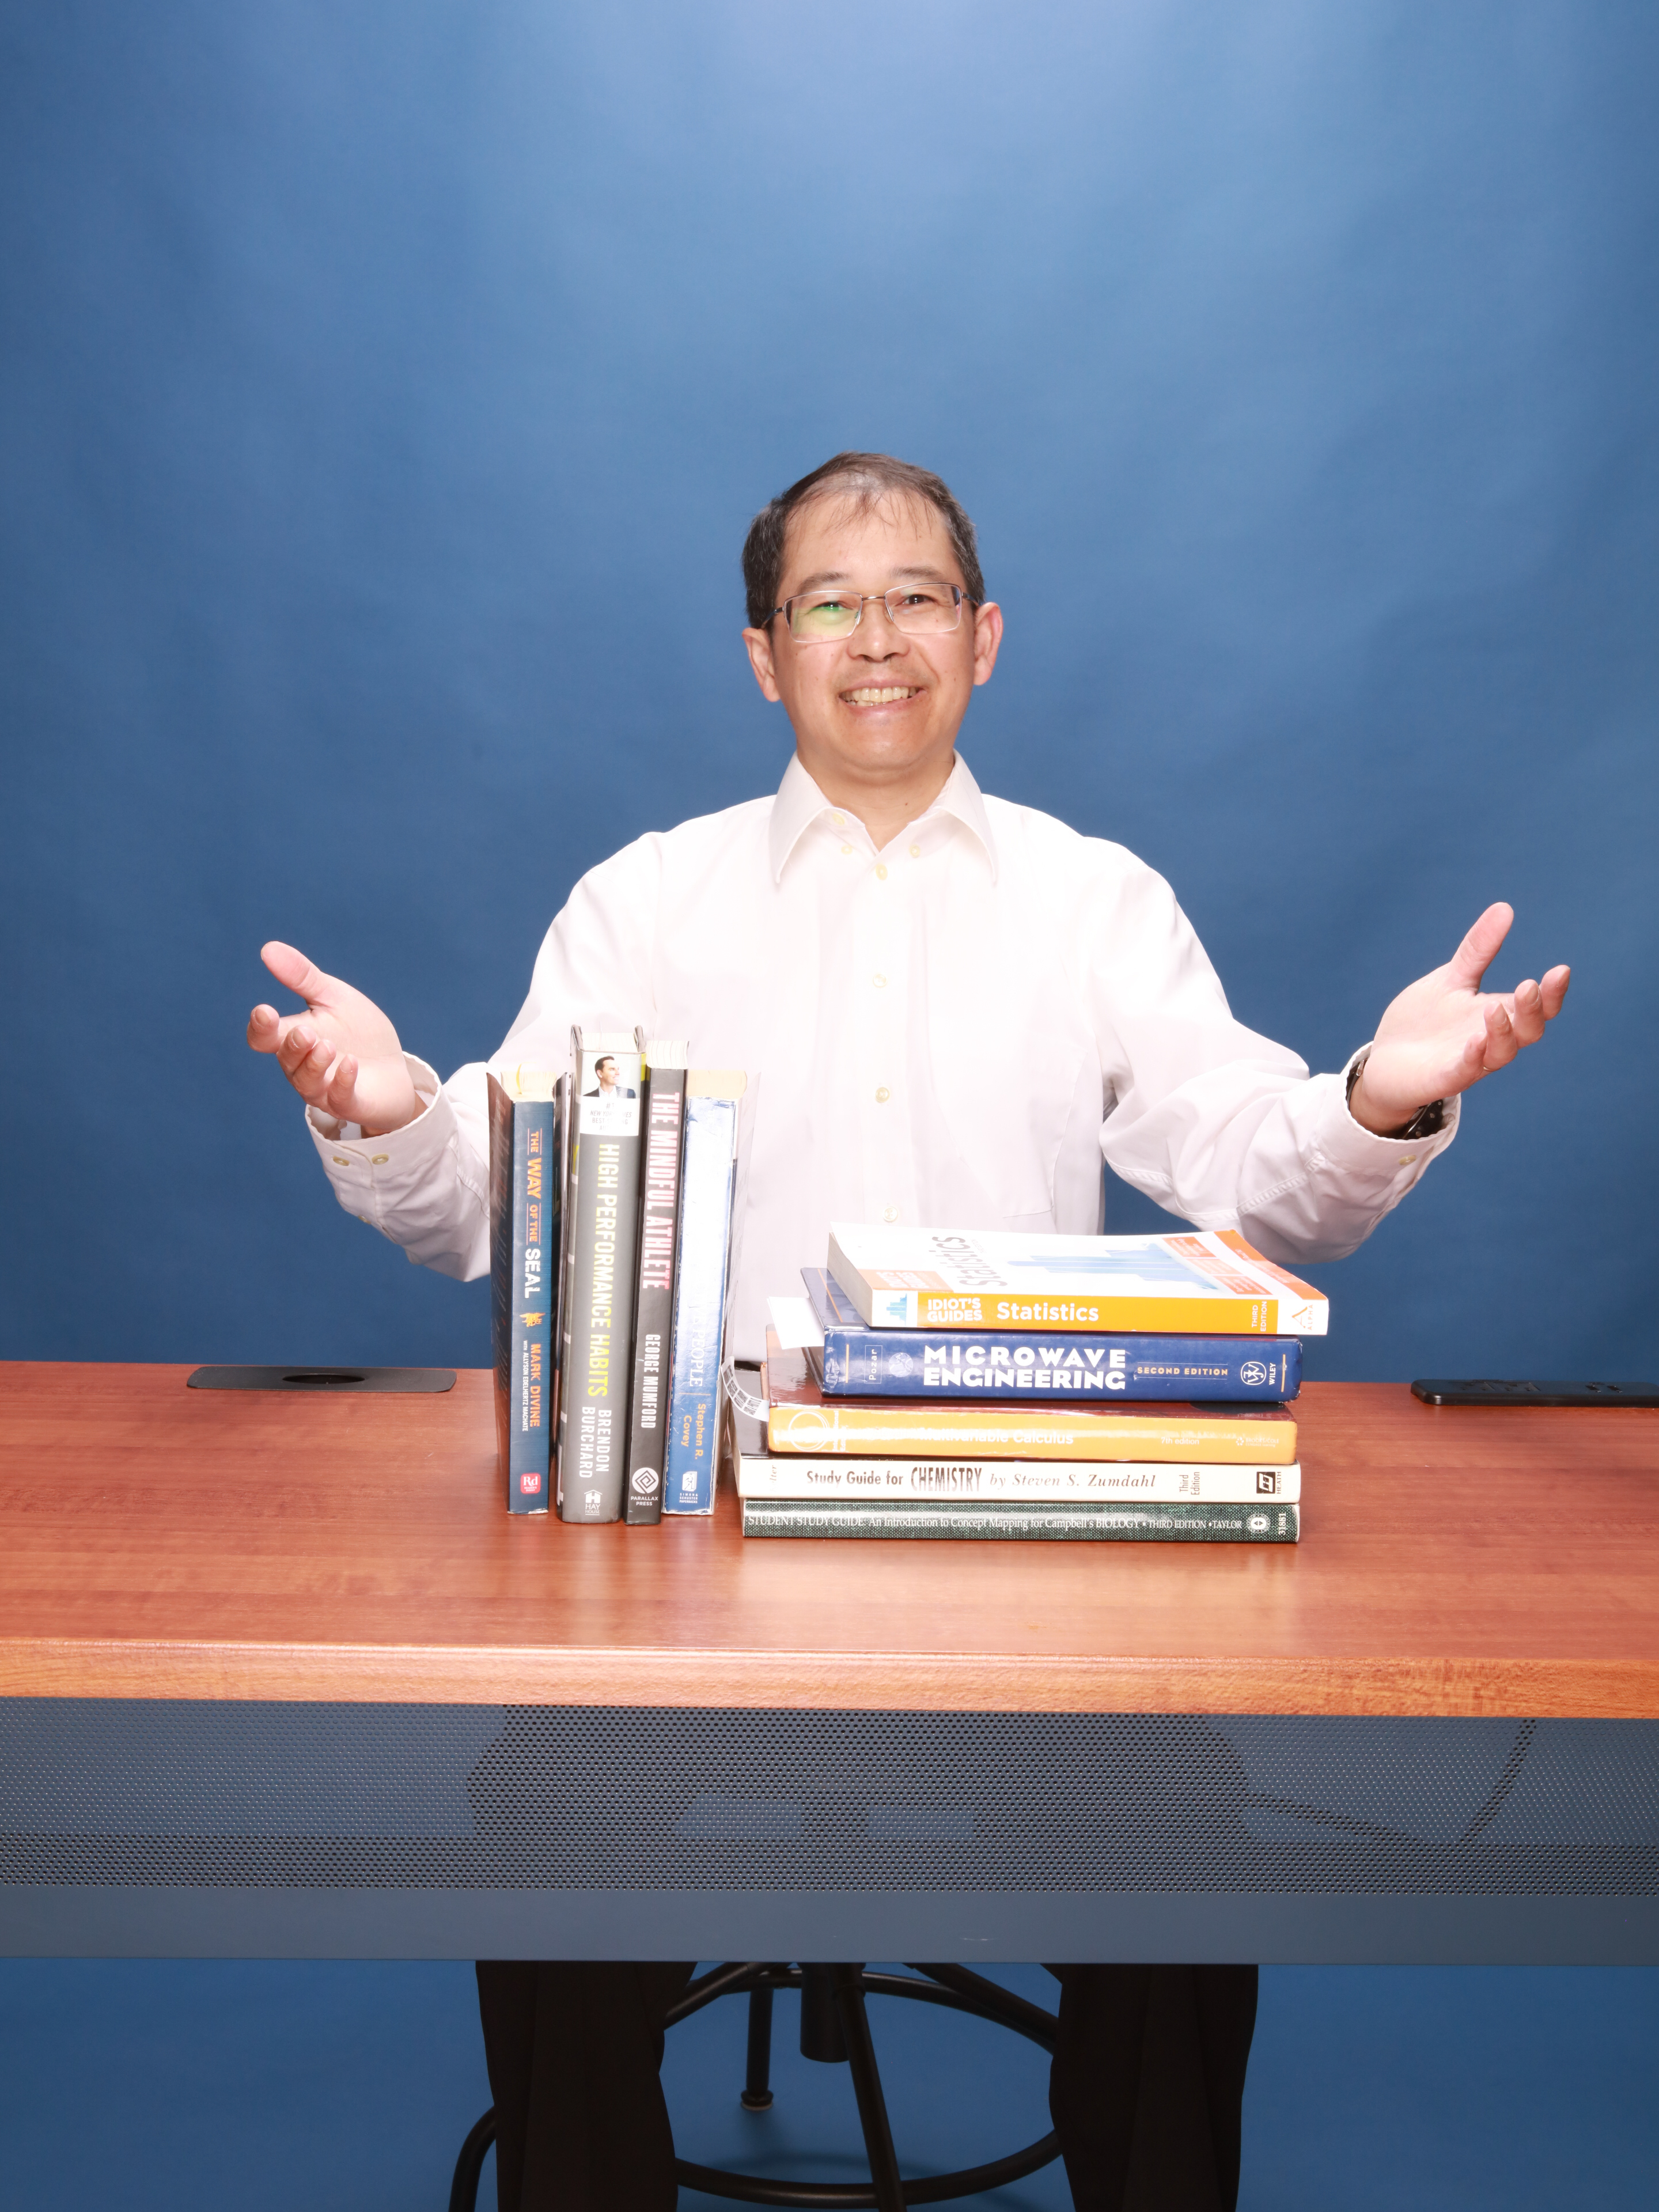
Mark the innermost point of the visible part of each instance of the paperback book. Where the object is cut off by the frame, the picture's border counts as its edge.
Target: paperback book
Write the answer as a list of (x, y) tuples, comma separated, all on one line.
[(710, 1150), (857, 1360), (786, 1474), (601, 1251), (653, 1299), (523, 1245), (1202, 1282), (801, 1418), (1012, 1520)]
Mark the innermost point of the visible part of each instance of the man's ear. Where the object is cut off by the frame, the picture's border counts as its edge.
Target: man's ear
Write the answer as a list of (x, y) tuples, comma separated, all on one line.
[(987, 638), (759, 645)]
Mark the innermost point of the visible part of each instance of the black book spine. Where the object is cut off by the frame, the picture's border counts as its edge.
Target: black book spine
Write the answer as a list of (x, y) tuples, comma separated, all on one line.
[(523, 1217), (654, 1304)]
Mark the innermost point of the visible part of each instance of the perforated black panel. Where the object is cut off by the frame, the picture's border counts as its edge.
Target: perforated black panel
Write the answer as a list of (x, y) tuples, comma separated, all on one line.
[(209, 1794)]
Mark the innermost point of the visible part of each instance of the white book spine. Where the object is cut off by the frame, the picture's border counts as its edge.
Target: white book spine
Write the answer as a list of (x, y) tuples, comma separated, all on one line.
[(1041, 1482)]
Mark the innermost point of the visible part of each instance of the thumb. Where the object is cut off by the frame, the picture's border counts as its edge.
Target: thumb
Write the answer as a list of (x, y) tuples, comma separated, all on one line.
[(1479, 948), (291, 967)]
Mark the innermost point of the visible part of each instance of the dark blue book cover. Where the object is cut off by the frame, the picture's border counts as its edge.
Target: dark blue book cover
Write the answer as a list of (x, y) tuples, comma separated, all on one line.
[(524, 1248), (859, 1361)]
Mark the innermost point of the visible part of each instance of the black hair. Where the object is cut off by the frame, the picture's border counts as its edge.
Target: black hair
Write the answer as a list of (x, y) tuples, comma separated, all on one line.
[(866, 479)]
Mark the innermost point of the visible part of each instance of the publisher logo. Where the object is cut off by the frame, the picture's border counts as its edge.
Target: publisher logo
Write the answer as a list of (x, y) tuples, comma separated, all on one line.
[(1266, 1482), (643, 1482), (1259, 1523), (529, 1484), (901, 1364), (1252, 1374)]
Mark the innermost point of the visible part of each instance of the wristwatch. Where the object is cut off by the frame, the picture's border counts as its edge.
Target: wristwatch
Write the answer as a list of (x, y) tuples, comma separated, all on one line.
[(1428, 1120)]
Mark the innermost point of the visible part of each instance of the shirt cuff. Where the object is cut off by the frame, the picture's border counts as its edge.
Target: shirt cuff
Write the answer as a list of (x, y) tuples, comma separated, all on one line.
[(370, 1175), (1348, 1143)]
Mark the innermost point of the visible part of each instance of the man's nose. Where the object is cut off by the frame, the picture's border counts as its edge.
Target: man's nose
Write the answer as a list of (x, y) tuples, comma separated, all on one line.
[(877, 637)]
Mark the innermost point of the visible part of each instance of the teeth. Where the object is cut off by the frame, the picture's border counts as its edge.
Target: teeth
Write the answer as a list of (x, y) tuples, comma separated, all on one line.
[(872, 697)]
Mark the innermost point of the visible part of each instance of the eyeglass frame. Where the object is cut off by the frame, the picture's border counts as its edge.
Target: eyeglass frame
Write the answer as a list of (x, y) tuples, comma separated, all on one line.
[(963, 598)]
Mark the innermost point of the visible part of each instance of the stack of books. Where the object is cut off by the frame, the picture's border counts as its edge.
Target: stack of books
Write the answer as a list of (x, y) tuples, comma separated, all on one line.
[(980, 1385)]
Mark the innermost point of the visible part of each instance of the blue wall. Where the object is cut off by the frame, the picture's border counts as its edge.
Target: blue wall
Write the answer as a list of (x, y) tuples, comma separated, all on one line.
[(385, 389)]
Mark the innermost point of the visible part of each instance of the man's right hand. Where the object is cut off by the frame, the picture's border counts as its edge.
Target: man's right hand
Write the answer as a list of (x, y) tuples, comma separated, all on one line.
[(342, 1054)]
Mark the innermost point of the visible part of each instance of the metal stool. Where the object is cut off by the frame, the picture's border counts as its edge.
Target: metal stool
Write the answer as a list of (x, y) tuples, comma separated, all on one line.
[(834, 2030)]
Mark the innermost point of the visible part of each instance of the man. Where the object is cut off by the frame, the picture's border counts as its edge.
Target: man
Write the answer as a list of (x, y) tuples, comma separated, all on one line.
[(870, 944), (608, 1085)]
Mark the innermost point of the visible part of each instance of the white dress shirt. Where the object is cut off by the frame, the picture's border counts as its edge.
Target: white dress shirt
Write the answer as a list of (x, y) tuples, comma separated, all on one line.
[(948, 1033)]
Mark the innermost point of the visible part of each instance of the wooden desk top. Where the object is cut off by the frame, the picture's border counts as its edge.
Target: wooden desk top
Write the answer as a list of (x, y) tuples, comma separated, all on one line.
[(156, 1541)]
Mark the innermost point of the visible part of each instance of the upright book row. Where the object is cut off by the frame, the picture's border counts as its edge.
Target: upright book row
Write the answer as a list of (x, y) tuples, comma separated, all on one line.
[(609, 1213)]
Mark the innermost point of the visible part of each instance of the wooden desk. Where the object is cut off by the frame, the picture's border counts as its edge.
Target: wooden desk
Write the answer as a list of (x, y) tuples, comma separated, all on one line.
[(281, 1674)]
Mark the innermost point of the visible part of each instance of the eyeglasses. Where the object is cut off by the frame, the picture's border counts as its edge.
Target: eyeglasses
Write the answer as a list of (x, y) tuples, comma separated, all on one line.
[(919, 609)]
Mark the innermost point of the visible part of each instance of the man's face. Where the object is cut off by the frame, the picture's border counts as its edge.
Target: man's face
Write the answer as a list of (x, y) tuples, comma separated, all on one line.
[(880, 705), (606, 1072)]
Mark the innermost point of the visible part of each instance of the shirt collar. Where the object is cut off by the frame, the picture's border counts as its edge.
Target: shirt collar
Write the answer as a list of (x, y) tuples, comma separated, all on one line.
[(799, 803)]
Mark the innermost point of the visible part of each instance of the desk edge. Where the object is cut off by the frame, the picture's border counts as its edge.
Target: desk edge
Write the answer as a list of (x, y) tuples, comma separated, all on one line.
[(875, 1681)]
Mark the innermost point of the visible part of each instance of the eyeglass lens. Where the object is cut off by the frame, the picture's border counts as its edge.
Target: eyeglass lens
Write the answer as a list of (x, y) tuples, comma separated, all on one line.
[(919, 609)]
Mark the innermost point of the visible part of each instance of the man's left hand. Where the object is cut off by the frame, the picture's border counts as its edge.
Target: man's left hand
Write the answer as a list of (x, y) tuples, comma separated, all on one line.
[(1443, 1033)]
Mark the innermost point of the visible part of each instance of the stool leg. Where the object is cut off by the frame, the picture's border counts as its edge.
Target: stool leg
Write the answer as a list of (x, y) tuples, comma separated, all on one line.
[(469, 2166), (820, 2019), (866, 2085), (756, 2089)]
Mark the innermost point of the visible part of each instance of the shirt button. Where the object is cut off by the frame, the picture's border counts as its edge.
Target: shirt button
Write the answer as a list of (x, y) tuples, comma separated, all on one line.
[(341, 1161), (379, 1159), (883, 1095), (889, 1213), (846, 848), (881, 871), (880, 982), (915, 852), (840, 821)]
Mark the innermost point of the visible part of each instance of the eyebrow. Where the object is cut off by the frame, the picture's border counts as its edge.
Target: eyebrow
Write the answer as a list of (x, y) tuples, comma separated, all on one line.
[(828, 576)]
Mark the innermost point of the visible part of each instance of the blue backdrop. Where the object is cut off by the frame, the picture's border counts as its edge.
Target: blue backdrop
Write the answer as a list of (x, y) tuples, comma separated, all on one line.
[(387, 388)]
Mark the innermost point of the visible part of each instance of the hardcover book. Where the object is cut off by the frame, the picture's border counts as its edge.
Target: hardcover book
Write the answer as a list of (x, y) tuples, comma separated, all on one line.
[(706, 1174), (801, 1418), (524, 1279), (1204, 1282), (1010, 1520), (788, 1474), (856, 1359), (654, 1297), (601, 1251)]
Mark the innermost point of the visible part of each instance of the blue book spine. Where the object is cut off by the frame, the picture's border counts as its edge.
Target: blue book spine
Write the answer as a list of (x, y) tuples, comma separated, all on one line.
[(861, 1362), (700, 1305), (524, 1235)]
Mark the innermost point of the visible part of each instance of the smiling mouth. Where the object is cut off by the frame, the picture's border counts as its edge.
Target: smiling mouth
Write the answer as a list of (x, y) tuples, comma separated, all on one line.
[(880, 695)]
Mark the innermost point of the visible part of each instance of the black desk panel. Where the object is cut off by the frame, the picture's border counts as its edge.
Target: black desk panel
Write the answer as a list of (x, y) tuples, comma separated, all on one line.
[(241, 1828)]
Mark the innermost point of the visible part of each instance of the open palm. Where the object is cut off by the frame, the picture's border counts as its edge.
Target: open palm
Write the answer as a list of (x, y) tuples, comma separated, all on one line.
[(341, 1054), (1444, 1032)]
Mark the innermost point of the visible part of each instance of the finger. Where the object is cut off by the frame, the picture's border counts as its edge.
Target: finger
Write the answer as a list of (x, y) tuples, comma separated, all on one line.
[(1553, 990), (1479, 948), (305, 1059), (1526, 1012), (340, 1096), (290, 966), (264, 1028), (1501, 1043)]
